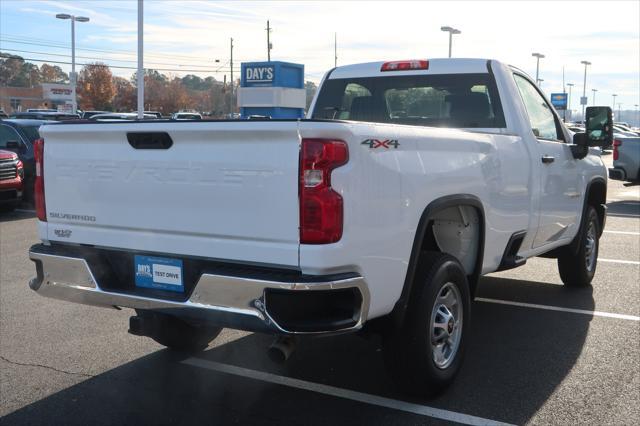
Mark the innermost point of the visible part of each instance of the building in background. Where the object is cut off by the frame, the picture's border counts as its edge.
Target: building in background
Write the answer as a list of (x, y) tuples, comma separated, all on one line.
[(46, 96)]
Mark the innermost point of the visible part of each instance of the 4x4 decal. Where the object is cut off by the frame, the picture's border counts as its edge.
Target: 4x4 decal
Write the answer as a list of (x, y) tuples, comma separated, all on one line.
[(377, 143)]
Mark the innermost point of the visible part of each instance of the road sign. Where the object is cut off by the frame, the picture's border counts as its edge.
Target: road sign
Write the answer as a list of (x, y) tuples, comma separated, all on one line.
[(583, 100), (559, 101)]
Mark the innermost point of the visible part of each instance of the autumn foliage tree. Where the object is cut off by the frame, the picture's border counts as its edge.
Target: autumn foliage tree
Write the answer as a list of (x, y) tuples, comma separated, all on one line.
[(95, 87), (125, 98)]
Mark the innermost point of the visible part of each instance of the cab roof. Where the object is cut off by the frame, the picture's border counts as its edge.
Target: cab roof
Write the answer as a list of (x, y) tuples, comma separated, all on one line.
[(435, 66)]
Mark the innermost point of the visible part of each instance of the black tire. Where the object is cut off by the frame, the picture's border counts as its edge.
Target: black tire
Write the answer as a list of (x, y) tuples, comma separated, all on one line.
[(408, 351), (177, 334), (575, 268)]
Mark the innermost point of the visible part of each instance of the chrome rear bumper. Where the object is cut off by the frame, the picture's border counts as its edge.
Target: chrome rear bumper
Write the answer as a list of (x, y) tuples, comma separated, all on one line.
[(226, 301)]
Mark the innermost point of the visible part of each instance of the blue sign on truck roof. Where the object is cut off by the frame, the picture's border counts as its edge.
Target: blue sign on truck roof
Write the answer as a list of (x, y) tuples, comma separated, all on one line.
[(274, 73)]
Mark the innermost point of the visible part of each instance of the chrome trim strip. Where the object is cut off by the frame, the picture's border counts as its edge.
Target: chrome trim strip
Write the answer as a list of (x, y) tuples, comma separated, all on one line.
[(234, 301)]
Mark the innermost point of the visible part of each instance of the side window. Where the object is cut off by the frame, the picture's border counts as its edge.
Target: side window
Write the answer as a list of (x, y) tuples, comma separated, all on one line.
[(8, 134), (541, 117)]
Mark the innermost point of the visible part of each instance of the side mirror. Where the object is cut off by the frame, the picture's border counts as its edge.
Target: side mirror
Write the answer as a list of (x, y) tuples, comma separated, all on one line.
[(599, 126)]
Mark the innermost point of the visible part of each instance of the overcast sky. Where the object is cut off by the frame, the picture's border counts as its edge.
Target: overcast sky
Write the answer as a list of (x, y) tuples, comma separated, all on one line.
[(186, 37)]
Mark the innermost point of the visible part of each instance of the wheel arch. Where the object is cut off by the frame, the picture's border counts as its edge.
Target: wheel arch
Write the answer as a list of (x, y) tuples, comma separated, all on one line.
[(425, 240), (596, 196)]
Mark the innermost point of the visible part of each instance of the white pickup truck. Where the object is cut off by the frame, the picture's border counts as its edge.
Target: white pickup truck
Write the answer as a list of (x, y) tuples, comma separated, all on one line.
[(406, 182)]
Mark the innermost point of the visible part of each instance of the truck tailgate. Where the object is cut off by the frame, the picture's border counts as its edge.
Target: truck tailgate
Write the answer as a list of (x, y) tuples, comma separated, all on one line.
[(224, 190)]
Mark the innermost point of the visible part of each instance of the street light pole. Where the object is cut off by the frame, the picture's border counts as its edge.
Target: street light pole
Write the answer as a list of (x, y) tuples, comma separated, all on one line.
[(614, 100), (538, 56), (451, 32), (584, 88), (594, 96), (74, 77), (140, 103), (569, 98), (619, 111)]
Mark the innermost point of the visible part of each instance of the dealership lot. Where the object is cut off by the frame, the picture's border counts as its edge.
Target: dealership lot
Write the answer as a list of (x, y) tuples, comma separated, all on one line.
[(538, 353)]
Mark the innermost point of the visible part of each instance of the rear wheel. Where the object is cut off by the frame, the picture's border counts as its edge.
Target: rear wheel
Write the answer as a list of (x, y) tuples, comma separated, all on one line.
[(425, 355), (577, 269), (177, 334)]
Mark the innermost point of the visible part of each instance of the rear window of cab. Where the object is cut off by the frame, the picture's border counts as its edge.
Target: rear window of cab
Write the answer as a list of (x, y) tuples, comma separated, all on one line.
[(443, 100)]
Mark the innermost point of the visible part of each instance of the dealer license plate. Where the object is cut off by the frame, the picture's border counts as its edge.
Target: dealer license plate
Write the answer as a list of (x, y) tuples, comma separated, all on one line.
[(159, 273)]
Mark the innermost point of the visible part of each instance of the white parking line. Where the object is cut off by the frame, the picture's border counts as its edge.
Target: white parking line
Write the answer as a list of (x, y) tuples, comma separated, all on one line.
[(394, 404), (627, 262), (558, 308), (622, 214), (622, 232)]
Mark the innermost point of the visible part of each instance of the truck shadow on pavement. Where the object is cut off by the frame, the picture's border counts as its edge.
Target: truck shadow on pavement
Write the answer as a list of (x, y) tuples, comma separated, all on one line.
[(516, 358), (6, 216), (630, 208)]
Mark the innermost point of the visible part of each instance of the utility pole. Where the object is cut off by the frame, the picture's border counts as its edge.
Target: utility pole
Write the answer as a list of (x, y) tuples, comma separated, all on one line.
[(231, 97), (268, 42), (335, 49)]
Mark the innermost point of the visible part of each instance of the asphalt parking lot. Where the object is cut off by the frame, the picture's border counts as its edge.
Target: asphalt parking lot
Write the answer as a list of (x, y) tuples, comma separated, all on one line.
[(538, 354)]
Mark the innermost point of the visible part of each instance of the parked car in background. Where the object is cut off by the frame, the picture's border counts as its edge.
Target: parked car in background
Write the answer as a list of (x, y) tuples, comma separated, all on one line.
[(18, 135), (156, 113), (625, 129), (41, 110), (186, 116), (56, 116), (120, 116), (89, 114), (626, 159), (11, 175)]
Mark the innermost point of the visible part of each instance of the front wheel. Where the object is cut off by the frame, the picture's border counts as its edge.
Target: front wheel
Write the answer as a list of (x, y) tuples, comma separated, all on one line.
[(425, 354), (578, 268)]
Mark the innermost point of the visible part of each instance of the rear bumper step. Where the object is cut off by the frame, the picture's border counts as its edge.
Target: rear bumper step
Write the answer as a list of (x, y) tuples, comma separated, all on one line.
[(331, 304)]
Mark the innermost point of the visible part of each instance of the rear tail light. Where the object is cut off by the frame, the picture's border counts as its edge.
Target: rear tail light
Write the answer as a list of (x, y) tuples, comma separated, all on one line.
[(616, 144), (38, 151), (416, 64), (321, 211)]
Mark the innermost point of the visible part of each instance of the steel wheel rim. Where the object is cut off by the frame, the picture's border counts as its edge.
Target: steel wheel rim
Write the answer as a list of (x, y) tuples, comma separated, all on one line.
[(445, 328), (591, 242)]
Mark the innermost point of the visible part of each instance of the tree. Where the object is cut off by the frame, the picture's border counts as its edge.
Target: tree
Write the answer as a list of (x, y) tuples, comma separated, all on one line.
[(14, 71), (125, 98), (95, 87), (310, 88), (53, 74), (176, 96)]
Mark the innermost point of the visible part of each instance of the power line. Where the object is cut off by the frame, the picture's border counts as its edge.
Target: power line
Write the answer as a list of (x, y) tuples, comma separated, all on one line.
[(61, 45), (126, 68), (97, 58)]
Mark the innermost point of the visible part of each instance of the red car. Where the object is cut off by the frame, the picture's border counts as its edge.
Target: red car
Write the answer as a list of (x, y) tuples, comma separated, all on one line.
[(11, 176)]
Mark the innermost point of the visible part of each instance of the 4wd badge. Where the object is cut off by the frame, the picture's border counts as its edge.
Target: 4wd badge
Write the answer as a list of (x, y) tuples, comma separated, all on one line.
[(377, 143)]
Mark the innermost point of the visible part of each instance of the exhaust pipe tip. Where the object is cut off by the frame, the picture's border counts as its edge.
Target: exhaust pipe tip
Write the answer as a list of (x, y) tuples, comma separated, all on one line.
[(281, 349)]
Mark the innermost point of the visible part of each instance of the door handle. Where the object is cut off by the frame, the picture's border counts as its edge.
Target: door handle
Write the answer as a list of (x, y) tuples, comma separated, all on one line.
[(547, 159)]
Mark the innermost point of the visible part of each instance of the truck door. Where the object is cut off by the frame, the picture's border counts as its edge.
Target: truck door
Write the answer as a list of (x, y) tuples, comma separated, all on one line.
[(560, 192)]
